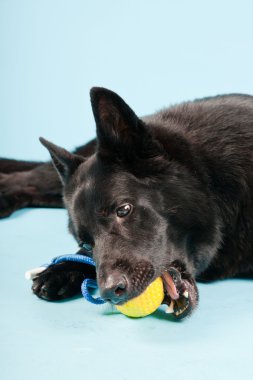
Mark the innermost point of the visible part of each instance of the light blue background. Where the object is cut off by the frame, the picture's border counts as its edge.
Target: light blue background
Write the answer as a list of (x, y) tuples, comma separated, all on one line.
[(153, 53)]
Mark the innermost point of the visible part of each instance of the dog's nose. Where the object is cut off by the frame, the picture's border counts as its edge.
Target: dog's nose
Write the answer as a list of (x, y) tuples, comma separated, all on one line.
[(115, 288)]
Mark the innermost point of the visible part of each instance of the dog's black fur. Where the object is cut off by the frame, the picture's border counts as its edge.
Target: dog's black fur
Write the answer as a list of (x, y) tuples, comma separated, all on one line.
[(185, 174)]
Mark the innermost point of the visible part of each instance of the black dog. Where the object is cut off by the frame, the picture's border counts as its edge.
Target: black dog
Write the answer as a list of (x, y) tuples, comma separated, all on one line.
[(167, 195)]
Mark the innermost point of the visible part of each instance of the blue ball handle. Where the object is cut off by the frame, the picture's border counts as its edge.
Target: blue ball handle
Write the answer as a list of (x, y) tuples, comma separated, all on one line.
[(88, 282)]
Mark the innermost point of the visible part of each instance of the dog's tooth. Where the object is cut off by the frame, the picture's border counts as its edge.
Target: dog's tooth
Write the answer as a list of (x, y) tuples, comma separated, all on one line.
[(186, 294), (170, 308), (180, 311)]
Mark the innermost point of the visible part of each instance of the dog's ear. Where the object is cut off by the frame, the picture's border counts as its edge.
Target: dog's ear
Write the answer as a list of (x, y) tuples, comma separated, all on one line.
[(64, 162), (119, 130)]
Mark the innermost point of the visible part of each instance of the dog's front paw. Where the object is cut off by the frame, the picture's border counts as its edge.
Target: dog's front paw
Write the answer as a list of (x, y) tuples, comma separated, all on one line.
[(181, 291), (59, 281)]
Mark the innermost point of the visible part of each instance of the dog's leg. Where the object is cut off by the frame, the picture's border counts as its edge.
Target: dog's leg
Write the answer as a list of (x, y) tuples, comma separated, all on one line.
[(31, 184), (186, 289), (61, 281), (9, 166), (38, 187)]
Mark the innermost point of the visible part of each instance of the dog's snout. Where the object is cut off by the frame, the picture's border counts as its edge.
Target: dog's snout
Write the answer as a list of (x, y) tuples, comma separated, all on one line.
[(115, 288)]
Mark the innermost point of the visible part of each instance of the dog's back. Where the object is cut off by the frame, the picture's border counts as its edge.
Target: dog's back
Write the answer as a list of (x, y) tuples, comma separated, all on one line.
[(220, 132)]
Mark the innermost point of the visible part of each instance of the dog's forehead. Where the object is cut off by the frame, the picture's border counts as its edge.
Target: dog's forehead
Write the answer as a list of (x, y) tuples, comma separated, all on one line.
[(99, 184), (103, 176)]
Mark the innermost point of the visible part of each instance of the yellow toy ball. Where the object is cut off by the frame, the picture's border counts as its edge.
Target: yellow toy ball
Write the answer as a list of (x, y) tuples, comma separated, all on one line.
[(146, 303)]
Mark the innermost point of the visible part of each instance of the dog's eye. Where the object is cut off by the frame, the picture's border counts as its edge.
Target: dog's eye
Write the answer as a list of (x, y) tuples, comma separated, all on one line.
[(87, 247), (124, 210)]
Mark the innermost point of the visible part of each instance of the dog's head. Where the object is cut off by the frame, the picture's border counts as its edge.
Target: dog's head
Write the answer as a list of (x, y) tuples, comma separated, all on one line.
[(132, 203)]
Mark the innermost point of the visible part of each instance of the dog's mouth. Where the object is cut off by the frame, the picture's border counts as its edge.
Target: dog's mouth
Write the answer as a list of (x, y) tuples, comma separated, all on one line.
[(175, 296), (169, 286), (169, 289), (176, 293)]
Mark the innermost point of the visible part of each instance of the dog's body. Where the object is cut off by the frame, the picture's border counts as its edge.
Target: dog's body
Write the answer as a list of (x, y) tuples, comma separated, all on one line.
[(169, 194)]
